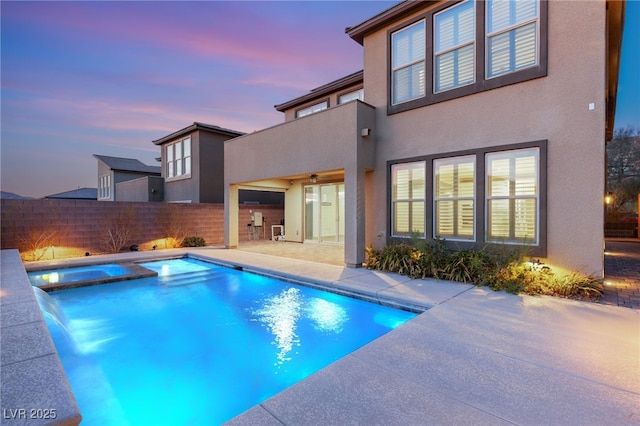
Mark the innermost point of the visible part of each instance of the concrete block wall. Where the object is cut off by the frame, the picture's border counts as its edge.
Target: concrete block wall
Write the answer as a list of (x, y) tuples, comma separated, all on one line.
[(77, 227)]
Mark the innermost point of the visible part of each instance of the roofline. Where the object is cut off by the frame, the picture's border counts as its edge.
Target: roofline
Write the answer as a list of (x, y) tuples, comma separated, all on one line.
[(318, 92), (394, 13), (97, 157), (615, 29), (198, 126)]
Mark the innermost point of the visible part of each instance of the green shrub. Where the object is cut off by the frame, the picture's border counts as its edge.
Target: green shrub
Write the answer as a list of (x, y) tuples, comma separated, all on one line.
[(499, 271), (193, 242)]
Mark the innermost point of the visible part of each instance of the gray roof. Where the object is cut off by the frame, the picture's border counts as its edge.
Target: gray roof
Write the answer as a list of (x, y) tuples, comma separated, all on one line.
[(199, 126), (77, 194), (13, 196), (127, 165)]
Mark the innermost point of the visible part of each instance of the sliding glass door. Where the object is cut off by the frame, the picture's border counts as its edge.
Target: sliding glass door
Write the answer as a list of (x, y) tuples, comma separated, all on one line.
[(324, 213)]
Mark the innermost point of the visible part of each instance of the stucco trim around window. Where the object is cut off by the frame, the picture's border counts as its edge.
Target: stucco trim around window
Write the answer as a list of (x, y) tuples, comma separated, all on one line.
[(482, 82), (480, 240)]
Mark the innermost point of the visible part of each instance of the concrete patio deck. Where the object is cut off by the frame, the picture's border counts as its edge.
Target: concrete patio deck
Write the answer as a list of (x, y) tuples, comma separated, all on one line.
[(474, 357)]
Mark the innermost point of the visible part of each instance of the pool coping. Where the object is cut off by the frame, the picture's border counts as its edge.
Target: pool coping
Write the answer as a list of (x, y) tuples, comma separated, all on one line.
[(136, 271), (34, 384)]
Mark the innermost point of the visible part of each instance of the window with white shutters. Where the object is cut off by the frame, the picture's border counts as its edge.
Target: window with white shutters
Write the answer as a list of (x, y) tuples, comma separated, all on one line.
[(408, 62), (408, 199), (454, 34), (512, 196)]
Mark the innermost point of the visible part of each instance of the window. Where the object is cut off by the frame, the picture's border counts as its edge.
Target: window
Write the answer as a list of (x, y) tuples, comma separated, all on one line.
[(454, 46), (408, 199), (351, 96), (512, 34), (492, 195), (465, 48), (312, 109), (512, 196), (104, 188), (179, 159), (454, 197), (408, 63)]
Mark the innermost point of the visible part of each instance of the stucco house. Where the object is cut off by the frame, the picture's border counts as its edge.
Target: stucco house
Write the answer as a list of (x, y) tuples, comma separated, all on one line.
[(478, 122), (113, 171)]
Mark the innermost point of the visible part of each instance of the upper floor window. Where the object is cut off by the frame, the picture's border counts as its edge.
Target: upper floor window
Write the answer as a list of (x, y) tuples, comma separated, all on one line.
[(465, 48), (178, 159), (512, 36), (104, 186), (454, 34), (408, 63), (312, 109), (351, 96)]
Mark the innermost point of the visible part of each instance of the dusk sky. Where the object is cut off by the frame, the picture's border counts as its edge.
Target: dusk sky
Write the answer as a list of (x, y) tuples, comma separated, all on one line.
[(83, 78)]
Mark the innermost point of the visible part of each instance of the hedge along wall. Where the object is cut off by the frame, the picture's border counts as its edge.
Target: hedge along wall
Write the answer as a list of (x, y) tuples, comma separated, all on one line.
[(69, 228)]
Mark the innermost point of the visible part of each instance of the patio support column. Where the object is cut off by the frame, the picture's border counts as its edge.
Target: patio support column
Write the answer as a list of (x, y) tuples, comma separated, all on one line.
[(354, 220), (231, 211)]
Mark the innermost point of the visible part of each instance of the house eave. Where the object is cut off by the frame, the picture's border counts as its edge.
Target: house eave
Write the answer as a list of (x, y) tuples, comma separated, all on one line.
[(394, 13), (323, 91), (198, 126), (615, 28)]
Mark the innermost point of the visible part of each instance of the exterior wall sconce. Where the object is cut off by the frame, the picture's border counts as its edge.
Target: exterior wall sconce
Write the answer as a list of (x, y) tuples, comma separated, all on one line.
[(608, 198), (313, 178), (365, 132)]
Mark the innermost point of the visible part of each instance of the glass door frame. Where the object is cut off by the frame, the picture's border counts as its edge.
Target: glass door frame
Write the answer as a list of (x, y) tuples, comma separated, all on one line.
[(313, 217)]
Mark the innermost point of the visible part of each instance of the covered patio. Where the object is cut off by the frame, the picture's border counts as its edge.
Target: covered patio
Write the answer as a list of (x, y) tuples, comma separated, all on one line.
[(331, 254), (333, 149)]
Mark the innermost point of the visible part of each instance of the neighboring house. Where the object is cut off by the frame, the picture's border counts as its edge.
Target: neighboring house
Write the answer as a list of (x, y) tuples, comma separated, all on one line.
[(193, 166), (114, 170), (13, 196), (193, 163), (76, 194), (482, 123)]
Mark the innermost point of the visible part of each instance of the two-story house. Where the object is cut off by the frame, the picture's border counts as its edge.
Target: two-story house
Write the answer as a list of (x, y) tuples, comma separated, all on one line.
[(479, 122), (113, 171)]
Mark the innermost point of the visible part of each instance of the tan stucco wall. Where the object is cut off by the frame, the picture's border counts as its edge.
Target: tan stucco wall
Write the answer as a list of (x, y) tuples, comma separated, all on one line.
[(554, 108)]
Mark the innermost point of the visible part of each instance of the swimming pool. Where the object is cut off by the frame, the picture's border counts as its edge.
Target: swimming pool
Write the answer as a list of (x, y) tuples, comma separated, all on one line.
[(201, 347)]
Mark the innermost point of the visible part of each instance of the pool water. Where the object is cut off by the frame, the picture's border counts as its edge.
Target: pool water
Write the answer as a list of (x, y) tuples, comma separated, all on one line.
[(201, 347), (76, 274)]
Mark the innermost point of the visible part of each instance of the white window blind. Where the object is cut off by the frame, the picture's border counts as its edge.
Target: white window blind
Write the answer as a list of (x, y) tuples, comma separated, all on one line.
[(408, 63), (454, 197), (454, 46), (170, 161), (178, 158), (408, 198), (321, 106), (512, 35), (351, 96), (513, 196)]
